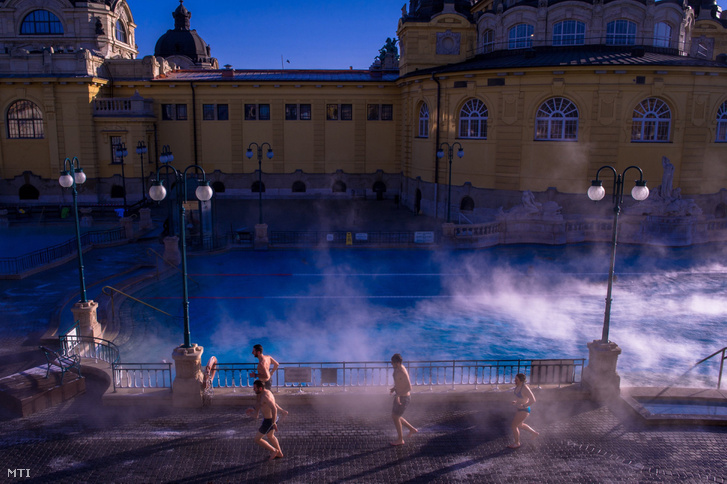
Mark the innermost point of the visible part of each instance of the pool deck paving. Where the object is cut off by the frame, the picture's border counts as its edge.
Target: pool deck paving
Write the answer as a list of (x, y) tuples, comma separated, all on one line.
[(326, 438)]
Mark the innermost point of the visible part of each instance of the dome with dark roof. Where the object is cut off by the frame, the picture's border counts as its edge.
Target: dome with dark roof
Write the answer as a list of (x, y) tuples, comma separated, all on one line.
[(183, 42), (424, 10)]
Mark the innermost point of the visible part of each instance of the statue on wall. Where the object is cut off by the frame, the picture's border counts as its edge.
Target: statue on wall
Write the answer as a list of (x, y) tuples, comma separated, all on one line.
[(531, 210), (666, 200)]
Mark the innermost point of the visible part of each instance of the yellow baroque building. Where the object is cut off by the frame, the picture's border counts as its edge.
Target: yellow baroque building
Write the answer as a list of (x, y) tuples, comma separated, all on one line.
[(537, 95)]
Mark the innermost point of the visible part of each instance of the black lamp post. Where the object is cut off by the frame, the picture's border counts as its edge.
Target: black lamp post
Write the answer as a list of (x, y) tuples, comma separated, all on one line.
[(67, 180), (167, 157), (269, 154), (450, 154), (122, 153), (204, 192), (141, 151), (597, 192)]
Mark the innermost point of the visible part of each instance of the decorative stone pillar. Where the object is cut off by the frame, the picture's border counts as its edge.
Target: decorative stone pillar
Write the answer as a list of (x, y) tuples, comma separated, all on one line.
[(128, 225), (86, 218), (448, 230), (145, 219), (187, 385), (261, 236), (600, 375), (172, 253), (85, 314)]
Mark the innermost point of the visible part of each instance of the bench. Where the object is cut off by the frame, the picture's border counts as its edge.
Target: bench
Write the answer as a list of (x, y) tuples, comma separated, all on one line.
[(65, 363)]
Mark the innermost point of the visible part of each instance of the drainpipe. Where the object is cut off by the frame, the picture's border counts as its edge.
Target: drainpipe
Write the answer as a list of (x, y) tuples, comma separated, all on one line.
[(436, 158)]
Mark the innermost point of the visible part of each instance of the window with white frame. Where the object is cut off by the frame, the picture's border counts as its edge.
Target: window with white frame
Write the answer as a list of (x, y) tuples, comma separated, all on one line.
[(473, 120), (488, 41), (722, 124), (557, 119), (662, 34), (121, 32), (423, 121), (25, 121), (651, 122), (621, 32), (520, 36), (569, 32), (41, 22)]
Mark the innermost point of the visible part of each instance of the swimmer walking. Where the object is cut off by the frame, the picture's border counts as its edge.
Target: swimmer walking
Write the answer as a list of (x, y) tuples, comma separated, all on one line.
[(402, 391), (523, 399)]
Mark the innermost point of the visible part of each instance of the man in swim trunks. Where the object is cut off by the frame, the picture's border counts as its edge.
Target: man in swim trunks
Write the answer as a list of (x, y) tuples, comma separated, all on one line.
[(402, 390), (266, 366), (270, 414)]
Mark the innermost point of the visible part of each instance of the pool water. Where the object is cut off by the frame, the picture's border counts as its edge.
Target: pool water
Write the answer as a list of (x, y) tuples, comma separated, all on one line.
[(505, 302), (684, 407)]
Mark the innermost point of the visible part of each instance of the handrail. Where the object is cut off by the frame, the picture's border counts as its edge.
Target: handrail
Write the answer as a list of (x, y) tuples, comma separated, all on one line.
[(721, 364), (130, 297), (89, 347)]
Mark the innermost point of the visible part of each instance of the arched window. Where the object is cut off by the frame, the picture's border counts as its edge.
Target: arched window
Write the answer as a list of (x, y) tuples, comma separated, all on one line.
[(117, 191), (467, 204), (41, 22), (338, 187), (473, 120), (557, 119), (423, 121), (218, 187), (651, 121), (662, 34), (621, 32), (488, 41), (257, 187), (569, 32), (28, 192), (722, 124), (520, 36), (25, 121), (298, 187), (121, 32)]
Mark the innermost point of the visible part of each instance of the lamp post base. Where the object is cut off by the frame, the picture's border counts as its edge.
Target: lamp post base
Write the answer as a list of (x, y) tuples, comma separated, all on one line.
[(187, 385), (85, 314), (600, 375), (172, 253)]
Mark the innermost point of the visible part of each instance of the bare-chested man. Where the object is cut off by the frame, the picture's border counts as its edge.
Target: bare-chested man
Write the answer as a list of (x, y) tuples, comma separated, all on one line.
[(266, 404), (266, 366), (402, 389)]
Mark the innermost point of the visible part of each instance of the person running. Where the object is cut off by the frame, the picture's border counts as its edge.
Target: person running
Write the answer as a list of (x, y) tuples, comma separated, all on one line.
[(266, 366), (523, 399), (402, 391), (269, 426)]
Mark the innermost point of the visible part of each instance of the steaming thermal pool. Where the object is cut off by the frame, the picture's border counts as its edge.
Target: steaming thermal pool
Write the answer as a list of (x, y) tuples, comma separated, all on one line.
[(669, 307)]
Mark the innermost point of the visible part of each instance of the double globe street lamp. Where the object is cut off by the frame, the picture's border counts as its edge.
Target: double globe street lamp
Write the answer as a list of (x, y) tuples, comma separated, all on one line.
[(68, 180), (204, 192), (450, 155), (269, 154), (596, 192)]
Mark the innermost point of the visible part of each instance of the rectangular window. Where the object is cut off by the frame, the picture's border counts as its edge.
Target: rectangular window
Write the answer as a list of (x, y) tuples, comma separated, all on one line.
[(171, 112), (387, 112), (305, 112), (343, 112), (294, 112), (332, 112), (373, 112), (259, 112), (212, 112), (115, 142)]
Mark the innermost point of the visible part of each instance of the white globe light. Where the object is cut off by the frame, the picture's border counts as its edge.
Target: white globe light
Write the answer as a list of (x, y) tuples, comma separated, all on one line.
[(249, 153), (270, 154), (204, 192), (440, 153), (66, 180), (157, 192), (460, 153), (596, 192), (80, 176), (640, 192)]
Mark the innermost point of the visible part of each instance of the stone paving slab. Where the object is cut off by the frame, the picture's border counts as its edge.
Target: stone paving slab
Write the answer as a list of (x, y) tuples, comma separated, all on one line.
[(459, 441)]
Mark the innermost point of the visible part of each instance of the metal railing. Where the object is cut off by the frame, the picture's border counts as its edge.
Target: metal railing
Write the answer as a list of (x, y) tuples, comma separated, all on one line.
[(422, 373), (97, 349), (26, 262), (723, 357), (141, 375), (342, 238)]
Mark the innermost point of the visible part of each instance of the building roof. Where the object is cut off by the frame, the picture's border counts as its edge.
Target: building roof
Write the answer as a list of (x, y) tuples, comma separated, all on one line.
[(589, 55), (291, 75)]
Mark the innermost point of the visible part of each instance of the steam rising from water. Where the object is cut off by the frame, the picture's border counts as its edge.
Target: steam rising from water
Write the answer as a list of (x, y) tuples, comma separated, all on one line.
[(510, 302)]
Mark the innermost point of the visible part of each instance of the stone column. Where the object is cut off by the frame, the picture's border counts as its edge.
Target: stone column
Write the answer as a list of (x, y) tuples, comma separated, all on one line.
[(261, 236), (85, 314), (448, 230), (172, 254), (187, 385), (145, 219), (600, 375), (128, 225)]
